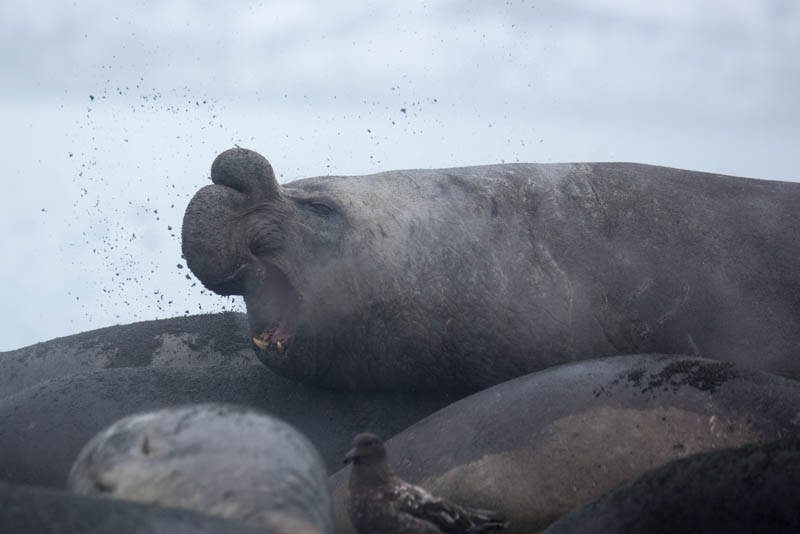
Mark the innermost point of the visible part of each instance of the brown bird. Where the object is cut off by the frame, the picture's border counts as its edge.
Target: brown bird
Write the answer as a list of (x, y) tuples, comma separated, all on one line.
[(381, 503)]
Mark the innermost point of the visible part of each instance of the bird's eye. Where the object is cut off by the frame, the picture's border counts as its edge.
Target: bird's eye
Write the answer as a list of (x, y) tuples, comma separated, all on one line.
[(320, 208)]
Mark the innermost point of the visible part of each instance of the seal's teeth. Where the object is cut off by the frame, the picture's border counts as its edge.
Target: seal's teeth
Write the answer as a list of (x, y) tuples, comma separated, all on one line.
[(260, 343), (280, 346)]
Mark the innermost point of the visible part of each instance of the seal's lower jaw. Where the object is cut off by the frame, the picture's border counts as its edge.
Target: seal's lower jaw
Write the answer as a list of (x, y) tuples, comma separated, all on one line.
[(272, 311)]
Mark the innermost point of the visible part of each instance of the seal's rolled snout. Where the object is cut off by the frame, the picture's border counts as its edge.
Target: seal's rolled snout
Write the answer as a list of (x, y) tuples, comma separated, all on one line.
[(245, 171), (215, 238)]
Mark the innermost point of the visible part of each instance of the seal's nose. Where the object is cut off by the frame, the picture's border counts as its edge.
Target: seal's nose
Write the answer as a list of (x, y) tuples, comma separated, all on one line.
[(245, 171)]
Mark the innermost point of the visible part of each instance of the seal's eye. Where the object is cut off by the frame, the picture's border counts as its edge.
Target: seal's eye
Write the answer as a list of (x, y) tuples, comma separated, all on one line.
[(320, 208)]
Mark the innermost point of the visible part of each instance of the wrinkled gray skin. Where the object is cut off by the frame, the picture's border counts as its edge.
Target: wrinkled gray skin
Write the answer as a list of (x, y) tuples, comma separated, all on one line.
[(462, 278), (195, 341), (36, 511), (536, 447), (743, 491), (221, 460)]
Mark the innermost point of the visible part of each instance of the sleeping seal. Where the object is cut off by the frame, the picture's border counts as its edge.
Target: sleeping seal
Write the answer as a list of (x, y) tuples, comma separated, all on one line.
[(220, 460)]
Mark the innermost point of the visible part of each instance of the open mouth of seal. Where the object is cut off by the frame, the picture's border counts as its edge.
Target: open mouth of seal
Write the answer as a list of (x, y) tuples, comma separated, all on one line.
[(272, 310)]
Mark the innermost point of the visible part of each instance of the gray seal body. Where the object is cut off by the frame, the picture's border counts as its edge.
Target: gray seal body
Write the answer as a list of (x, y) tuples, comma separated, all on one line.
[(31, 510), (211, 340), (221, 460), (44, 427), (740, 491), (462, 278), (538, 446)]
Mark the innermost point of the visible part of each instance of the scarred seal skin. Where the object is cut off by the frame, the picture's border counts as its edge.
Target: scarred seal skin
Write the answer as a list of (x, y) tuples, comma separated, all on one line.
[(208, 340), (462, 278), (740, 491), (220, 460), (538, 446), (29, 510)]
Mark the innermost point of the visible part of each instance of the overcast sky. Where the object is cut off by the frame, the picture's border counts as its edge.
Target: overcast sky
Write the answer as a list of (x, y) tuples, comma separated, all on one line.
[(114, 112)]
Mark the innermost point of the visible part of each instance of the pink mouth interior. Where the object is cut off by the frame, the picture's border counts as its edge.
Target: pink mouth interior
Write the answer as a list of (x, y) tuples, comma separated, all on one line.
[(272, 310), (284, 329)]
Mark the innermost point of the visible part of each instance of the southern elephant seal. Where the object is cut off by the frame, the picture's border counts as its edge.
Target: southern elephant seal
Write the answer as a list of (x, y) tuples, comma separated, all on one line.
[(68, 411), (216, 459), (462, 278), (541, 445), (197, 340), (27, 510), (741, 491)]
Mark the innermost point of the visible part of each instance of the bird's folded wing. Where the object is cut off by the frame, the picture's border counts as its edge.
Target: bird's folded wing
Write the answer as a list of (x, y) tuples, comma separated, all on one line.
[(416, 501)]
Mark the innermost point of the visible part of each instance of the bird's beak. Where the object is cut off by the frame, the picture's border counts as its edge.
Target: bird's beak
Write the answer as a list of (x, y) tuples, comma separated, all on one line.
[(350, 456)]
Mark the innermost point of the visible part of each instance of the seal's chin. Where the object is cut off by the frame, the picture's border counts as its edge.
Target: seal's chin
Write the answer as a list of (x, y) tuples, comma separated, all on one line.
[(272, 311)]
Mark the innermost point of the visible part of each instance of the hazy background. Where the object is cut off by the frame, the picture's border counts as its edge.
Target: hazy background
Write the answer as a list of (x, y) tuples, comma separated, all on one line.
[(113, 113)]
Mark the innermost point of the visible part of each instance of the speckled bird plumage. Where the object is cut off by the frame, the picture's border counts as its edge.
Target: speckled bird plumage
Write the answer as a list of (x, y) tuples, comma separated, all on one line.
[(381, 503)]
